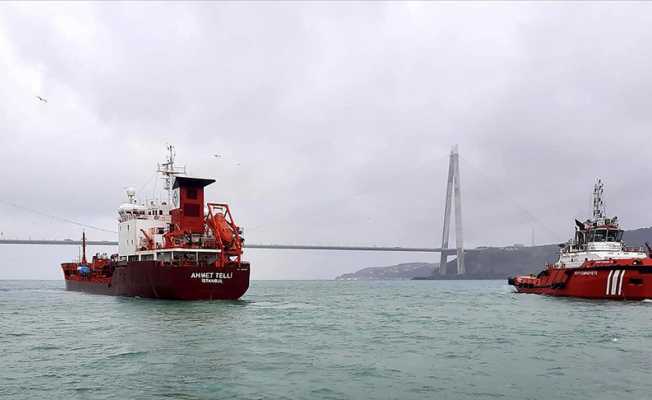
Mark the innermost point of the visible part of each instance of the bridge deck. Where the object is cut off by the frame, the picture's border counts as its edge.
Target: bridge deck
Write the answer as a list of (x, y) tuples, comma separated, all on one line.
[(249, 246)]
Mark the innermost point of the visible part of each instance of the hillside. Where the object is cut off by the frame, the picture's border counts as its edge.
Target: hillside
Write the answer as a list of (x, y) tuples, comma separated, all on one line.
[(392, 272), (486, 263)]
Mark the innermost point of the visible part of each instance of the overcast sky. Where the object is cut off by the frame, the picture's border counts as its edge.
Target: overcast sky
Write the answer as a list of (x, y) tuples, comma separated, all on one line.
[(334, 121)]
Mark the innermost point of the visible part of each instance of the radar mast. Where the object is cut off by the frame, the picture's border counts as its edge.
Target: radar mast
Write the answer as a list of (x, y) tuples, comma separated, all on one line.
[(169, 171), (598, 203)]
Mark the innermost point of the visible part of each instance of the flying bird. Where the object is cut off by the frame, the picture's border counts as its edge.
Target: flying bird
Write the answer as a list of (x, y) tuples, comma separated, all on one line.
[(42, 99), (217, 155)]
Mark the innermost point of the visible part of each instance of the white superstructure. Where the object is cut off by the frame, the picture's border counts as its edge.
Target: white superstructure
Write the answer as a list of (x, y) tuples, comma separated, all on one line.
[(141, 227), (139, 224)]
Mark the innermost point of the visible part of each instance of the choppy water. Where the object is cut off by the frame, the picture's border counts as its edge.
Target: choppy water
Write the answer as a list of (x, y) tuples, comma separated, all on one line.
[(323, 340)]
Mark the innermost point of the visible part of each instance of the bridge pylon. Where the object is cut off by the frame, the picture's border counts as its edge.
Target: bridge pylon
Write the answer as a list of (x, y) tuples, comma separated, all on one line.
[(453, 188)]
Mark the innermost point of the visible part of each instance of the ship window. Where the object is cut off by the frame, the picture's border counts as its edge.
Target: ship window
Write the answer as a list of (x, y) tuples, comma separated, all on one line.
[(191, 210), (614, 235), (184, 256), (207, 258), (191, 193)]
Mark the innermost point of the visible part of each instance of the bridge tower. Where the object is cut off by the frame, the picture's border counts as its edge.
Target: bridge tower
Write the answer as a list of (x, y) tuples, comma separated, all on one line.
[(453, 186)]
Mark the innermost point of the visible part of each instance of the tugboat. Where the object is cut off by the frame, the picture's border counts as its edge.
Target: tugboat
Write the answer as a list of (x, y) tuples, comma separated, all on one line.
[(178, 249), (595, 264)]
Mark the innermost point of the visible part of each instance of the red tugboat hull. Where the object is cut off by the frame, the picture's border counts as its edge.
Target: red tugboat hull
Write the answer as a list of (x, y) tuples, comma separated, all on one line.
[(625, 279), (152, 279)]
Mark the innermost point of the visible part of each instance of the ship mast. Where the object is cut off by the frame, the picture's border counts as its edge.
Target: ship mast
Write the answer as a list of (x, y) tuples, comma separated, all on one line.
[(83, 260), (598, 203), (169, 171)]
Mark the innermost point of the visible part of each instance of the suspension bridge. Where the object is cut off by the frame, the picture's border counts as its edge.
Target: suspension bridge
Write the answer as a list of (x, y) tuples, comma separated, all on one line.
[(453, 192)]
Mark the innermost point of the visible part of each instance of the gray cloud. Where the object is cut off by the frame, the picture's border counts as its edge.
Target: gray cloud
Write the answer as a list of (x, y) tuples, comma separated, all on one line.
[(334, 120)]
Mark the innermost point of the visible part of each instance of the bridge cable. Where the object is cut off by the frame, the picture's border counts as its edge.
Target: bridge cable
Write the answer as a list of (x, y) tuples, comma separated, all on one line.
[(55, 217), (517, 205)]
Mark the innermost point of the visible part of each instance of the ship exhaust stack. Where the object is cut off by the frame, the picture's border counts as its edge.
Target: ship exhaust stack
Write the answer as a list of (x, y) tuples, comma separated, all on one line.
[(453, 186)]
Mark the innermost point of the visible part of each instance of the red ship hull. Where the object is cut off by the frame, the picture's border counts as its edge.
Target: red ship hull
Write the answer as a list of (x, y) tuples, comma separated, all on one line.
[(152, 279), (612, 280)]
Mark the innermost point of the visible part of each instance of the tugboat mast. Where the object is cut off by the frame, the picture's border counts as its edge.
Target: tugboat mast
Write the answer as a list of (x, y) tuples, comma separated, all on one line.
[(598, 204)]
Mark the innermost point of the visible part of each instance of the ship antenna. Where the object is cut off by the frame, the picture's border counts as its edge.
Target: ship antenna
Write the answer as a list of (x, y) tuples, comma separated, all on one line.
[(169, 171), (598, 203)]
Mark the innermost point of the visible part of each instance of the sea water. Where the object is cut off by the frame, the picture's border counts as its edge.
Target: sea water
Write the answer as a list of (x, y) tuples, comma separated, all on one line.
[(323, 340)]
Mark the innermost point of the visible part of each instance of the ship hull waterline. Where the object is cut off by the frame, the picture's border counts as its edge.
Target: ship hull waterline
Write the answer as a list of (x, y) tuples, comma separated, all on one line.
[(151, 279), (605, 282)]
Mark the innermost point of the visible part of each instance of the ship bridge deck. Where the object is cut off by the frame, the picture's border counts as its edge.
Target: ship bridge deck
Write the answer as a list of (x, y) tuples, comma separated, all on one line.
[(173, 254)]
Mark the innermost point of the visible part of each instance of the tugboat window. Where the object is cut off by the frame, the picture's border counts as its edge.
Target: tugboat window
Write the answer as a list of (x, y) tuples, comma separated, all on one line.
[(600, 235), (614, 236)]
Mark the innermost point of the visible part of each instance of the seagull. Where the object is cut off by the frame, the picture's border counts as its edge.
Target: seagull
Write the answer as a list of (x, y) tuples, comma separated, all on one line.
[(42, 99)]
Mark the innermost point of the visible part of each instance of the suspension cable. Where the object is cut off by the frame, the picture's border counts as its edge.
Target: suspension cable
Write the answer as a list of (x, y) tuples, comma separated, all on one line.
[(511, 200), (69, 221)]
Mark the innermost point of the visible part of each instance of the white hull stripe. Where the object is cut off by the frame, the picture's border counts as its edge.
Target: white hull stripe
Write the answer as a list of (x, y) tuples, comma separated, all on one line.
[(615, 282), (620, 285)]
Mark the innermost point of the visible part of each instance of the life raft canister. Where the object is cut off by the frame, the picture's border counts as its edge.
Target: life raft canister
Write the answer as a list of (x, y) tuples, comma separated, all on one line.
[(224, 229)]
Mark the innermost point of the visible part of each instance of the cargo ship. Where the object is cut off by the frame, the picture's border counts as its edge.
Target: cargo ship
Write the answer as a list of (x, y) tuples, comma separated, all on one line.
[(179, 248), (595, 264)]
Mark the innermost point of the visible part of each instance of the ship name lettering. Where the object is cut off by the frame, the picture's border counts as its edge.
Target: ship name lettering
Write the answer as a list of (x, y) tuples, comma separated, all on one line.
[(202, 275), (211, 275), (586, 272)]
